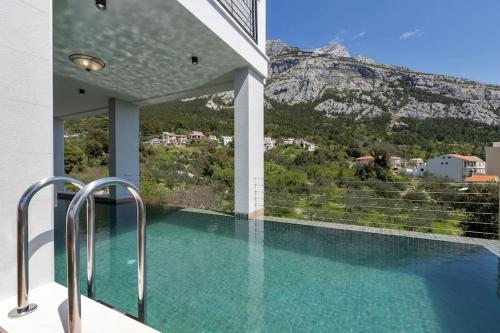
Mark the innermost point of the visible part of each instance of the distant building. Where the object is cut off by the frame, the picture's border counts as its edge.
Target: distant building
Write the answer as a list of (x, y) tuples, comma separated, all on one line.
[(225, 140), (456, 167), (396, 162), (213, 138), (416, 161), (364, 160), (306, 145), (269, 143), (154, 142), (481, 179), (182, 139), (169, 138), (288, 141), (195, 136), (493, 159)]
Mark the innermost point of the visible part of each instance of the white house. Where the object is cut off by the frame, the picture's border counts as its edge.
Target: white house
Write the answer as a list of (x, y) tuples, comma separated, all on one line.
[(196, 136), (269, 143), (73, 58), (225, 140), (213, 138), (181, 139), (493, 159), (169, 138), (288, 141), (415, 161), (456, 167), (396, 162), (155, 142), (306, 145)]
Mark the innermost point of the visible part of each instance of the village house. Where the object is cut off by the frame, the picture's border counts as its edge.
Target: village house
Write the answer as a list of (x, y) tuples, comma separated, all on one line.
[(456, 167), (195, 136), (155, 142), (416, 161), (182, 139), (213, 138), (225, 140), (493, 159), (169, 138), (364, 160), (396, 162), (306, 145), (269, 143), (288, 141)]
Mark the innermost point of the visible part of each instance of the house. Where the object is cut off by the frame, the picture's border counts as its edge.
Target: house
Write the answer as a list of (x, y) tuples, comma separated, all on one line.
[(169, 138), (195, 136), (212, 138), (396, 162), (269, 143), (416, 161), (225, 140), (493, 159), (456, 167), (364, 160), (181, 139), (72, 59), (482, 179), (154, 142), (306, 145), (288, 141)]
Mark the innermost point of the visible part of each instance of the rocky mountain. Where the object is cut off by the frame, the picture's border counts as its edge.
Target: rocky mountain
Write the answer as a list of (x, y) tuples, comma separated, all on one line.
[(335, 83)]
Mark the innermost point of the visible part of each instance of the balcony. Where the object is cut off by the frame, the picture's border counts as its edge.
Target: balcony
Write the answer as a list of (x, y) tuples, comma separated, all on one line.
[(245, 13)]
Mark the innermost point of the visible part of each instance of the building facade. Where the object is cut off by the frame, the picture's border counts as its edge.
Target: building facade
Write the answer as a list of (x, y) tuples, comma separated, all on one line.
[(455, 167)]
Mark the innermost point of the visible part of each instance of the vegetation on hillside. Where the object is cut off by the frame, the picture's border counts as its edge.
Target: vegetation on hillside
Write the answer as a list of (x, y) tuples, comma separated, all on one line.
[(321, 185)]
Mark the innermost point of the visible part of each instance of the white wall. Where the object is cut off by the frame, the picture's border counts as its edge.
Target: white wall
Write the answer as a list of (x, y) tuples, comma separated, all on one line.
[(444, 166), (25, 134)]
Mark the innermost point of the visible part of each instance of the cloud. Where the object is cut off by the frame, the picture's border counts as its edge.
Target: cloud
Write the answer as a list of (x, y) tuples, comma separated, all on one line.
[(410, 34), (361, 34), (339, 37)]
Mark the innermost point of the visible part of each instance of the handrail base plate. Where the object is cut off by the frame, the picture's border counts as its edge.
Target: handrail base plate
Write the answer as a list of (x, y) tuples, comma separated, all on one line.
[(16, 313)]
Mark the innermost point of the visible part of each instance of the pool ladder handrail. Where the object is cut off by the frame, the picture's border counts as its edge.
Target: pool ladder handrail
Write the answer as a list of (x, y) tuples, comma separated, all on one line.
[(24, 307), (73, 253)]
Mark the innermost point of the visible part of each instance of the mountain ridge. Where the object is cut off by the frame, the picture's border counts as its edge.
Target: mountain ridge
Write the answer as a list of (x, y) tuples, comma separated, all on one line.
[(337, 84)]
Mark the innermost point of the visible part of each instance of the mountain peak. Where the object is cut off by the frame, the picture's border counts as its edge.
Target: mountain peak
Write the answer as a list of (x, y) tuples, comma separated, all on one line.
[(275, 47), (335, 49)]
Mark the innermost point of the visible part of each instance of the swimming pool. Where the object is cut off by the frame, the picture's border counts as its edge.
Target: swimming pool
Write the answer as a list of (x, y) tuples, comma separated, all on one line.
[(211, 273)]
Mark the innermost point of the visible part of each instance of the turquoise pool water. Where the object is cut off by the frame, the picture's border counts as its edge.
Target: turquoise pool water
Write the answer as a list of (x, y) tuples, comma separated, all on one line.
[(209, 273)]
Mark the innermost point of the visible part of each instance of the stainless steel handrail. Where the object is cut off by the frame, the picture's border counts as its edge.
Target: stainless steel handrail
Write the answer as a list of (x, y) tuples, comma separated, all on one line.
[(24, 307), (73, 251)]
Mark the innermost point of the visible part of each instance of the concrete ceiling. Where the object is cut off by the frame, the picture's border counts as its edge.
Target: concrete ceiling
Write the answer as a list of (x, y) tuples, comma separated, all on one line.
[(147, 47)]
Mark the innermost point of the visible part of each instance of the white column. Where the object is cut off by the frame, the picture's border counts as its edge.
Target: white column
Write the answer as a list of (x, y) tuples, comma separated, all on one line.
[(249, 142), (58, 139), (25, 136), (123, 144)]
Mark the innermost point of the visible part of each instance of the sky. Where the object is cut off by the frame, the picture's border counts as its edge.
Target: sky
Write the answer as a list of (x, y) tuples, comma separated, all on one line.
[(460, 38)]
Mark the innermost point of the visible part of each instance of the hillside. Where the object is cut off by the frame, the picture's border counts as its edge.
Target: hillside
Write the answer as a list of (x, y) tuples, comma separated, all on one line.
[(335, 83)]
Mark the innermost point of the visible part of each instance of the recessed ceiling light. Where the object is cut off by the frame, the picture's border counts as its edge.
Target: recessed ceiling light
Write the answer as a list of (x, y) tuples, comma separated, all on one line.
[(101, 4), (194, 60), (86, 62)]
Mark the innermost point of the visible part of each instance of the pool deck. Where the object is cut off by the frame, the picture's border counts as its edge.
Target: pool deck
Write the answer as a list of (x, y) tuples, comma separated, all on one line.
[(491, 244), (51, 315)]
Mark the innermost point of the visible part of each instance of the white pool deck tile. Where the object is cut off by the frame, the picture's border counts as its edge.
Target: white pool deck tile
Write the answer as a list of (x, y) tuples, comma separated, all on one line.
[(51, 315)]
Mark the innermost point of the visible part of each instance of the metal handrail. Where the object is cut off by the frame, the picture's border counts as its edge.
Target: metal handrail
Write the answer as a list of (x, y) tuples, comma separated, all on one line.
[(24, 307), (73, 253)]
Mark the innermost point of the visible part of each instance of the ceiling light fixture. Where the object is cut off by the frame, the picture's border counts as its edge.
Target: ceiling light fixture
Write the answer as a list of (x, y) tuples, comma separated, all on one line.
[(194, 60), (101, 4), (86, 62)]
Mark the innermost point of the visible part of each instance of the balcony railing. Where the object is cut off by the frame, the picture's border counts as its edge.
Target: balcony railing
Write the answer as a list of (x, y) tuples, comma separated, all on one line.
[(245, 13)]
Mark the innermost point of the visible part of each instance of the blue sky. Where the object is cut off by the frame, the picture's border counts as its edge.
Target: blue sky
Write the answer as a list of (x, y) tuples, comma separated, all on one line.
[(454, 37)]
